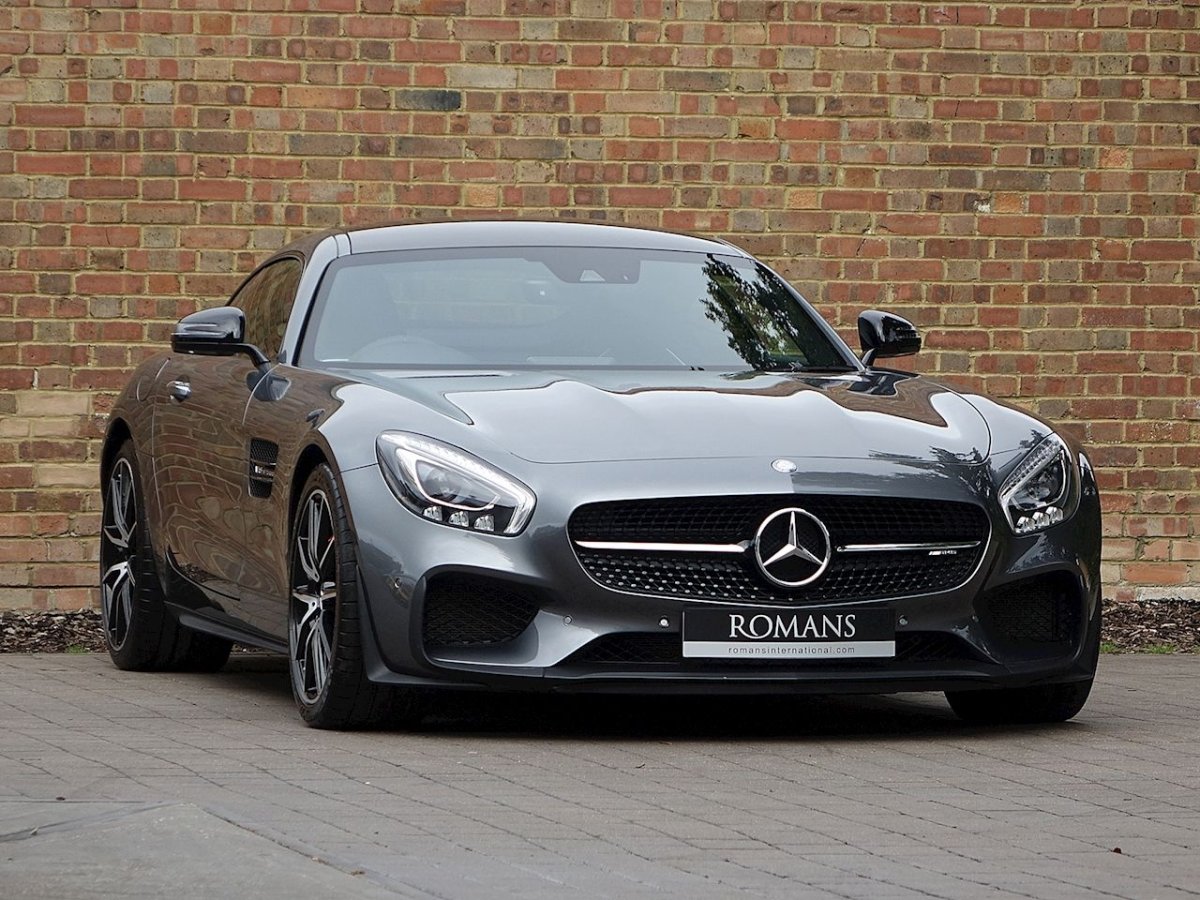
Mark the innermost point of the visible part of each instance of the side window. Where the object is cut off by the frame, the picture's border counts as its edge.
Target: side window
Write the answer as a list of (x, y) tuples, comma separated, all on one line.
[(266, 299)]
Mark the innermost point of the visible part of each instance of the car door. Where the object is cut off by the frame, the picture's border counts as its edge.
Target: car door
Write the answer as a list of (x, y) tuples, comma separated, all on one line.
[(268, 427), (202, 453)]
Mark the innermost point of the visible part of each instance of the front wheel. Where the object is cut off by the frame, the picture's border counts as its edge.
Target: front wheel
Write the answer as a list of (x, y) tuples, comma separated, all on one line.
[(325, 624), (1041, 704)]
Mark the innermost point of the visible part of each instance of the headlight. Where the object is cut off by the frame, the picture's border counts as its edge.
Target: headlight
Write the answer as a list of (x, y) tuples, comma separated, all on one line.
[(1036, 494), (445, 484)]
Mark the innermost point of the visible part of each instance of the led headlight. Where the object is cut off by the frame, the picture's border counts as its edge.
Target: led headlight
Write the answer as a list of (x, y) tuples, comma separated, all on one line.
[(1038, 492), (445, 484)]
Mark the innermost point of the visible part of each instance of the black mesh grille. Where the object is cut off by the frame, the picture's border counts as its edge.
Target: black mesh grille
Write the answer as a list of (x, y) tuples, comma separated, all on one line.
[(665, 649), (266, 452), (1043, 612), (721, 520), (263, 457), (465, 611), (858, 576)]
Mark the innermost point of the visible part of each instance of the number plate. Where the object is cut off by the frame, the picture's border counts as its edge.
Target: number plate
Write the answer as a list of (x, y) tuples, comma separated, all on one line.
[(773, 633)]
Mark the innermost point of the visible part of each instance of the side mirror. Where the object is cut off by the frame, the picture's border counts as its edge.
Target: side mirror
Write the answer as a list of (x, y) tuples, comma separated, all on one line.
[(215, 332), (883, 335)]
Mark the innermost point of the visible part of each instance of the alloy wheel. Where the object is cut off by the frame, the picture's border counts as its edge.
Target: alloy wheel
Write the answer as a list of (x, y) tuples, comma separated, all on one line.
[(119, 547), (314, 598)]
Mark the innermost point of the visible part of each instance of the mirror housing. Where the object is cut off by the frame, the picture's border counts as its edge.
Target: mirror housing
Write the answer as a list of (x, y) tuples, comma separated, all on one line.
[(215, 332), (884, 335)]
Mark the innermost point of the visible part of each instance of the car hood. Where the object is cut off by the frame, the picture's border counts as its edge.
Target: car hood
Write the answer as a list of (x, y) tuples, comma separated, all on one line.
[(571, 417)]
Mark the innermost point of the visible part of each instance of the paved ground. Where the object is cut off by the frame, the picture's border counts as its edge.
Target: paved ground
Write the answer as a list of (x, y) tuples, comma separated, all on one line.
[(208, 786)]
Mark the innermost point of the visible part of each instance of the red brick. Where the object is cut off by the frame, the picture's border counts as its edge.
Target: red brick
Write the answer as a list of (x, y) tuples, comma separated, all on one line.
[(874, 150), (1157, 250), (908, 37)]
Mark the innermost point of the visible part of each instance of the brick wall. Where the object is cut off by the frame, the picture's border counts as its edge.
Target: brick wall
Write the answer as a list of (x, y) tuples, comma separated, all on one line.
[(1018, 178)]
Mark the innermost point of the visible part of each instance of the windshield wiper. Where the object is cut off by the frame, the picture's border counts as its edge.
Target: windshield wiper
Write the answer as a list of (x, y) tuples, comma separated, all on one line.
[(682, 363), (801, 367)]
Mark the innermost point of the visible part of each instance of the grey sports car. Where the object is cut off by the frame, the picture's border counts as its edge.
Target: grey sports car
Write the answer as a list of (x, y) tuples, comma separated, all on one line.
[(572, 457)]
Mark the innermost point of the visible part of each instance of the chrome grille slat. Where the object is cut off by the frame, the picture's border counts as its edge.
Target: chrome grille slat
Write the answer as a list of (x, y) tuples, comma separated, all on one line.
[(649, 547), (927, 547)]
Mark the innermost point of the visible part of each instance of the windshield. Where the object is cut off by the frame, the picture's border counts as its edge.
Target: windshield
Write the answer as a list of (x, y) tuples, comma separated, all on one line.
[(562, 307)]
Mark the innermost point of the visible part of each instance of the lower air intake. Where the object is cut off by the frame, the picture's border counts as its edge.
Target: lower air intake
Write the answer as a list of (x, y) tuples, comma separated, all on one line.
[(663, 649), (470, 611), (1042, 613)]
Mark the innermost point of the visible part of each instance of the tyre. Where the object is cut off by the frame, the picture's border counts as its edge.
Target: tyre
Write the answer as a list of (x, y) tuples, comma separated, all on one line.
[(325, 624), (1044, 703), (140, 633)]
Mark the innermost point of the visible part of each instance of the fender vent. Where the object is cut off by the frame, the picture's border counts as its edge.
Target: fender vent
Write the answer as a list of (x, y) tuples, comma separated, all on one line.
[(263, 457)]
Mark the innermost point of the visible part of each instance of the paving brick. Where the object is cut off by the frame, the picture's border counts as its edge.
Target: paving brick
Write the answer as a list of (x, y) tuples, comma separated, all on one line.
[(655, 797)]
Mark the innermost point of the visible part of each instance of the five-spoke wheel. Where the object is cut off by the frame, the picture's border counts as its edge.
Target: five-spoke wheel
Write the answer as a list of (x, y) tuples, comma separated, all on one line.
[(314, 598), (325, 628), (119, 540), (139, 630)]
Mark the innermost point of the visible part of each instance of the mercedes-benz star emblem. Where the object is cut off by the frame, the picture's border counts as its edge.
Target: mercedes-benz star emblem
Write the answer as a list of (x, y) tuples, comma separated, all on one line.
[(792, 547)]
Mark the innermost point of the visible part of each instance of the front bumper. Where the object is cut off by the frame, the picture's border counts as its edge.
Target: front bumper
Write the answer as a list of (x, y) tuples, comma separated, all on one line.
[(958, 643)]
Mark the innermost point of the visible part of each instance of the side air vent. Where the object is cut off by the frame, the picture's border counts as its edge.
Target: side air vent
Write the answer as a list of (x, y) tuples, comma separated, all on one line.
[(263, 457)]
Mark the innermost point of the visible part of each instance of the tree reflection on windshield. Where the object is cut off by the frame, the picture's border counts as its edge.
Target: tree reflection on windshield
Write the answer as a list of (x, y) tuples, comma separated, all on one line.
[(755, 315)]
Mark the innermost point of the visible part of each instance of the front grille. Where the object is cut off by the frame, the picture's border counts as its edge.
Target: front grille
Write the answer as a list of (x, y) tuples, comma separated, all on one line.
[(665, 649), (858, 578), (732, 520), (717, 520), (470, 611), (1035, 613)]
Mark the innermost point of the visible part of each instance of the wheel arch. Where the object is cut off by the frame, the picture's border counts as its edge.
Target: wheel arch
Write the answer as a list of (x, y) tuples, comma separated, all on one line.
[(310, 457), (118, 433)]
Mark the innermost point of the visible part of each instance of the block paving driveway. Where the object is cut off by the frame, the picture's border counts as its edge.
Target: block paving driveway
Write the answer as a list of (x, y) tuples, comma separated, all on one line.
[(131, 785)]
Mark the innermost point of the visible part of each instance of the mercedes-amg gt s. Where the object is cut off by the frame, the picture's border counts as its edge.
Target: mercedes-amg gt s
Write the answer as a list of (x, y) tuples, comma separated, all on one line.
[(571, 457)]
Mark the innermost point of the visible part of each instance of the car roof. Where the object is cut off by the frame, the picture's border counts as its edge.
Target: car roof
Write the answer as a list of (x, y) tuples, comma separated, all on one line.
[(510, 233)]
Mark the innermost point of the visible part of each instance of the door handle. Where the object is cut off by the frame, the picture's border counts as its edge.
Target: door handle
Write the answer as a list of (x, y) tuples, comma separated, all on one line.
[(180, 390)]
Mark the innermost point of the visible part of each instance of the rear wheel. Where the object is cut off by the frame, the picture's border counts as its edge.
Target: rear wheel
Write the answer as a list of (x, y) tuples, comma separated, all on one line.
[(139, 631), (325, 626), (1044, 703)]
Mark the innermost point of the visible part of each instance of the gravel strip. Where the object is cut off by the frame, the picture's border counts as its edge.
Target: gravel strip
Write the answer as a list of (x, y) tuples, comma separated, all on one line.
[(51, 632), (58, 632), (1163, 626)]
